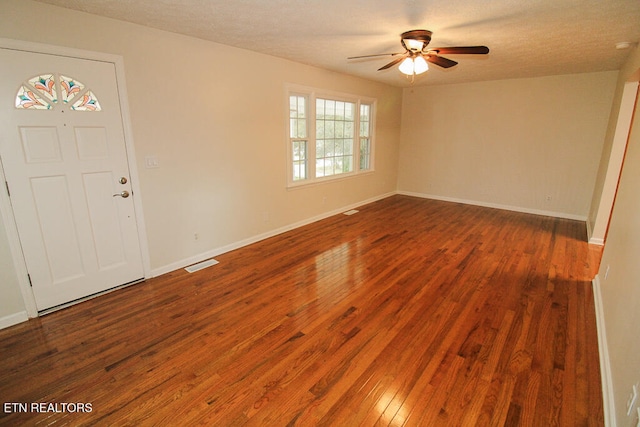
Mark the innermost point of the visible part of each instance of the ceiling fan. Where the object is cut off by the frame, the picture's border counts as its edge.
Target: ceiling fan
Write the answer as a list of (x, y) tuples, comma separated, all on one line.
[(416, 55)]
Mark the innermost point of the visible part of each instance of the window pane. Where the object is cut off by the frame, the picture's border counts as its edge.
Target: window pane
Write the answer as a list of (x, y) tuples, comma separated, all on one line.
[(302, 128), (334, 128), (319, 168), (364, 129), (337, 165), (348, 146), (299, 160), (348, 129), (328, 148), (329, 129), (342, 164), (302, 107), (299, 171), (350, 107), (347, 164), (329, 109), (364, 163), (339, 110), (297, 106), (365, 133), (328, 166), (319, 107), (293, 106), (297, 135), (365, 123), (365, 154), (364, 112), (299, 150), (320, 148)]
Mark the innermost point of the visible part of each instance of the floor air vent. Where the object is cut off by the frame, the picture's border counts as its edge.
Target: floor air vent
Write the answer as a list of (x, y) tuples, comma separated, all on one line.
[(201, 265), (351, 212)]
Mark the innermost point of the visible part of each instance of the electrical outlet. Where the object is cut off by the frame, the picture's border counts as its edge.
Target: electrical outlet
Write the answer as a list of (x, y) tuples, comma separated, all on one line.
[(631, 401)]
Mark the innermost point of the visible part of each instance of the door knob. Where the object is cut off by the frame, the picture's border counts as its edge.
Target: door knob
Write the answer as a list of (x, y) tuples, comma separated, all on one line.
[(124, 194), (123, 180)]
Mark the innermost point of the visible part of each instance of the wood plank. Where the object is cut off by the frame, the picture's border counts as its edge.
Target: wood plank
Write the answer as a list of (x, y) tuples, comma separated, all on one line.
[(412, 312)]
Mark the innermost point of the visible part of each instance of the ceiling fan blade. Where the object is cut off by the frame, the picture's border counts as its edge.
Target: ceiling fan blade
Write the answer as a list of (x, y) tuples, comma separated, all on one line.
[(439, 60), (461, 50), (373, 56), (392, 63)]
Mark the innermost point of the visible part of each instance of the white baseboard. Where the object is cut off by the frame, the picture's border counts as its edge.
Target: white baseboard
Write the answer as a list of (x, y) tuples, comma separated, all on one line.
[(605, 362), (496, 206), (236, 245), (13, 319), (593, 240)]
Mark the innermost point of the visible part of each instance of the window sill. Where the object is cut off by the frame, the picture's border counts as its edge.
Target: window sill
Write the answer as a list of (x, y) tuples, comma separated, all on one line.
[(325, 180)]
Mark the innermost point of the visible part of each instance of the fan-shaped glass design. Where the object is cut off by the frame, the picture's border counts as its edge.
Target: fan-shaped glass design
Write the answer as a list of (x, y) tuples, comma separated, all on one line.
[(45, 85), (70, 88), (27, 99), (46, 91), (87, 102)]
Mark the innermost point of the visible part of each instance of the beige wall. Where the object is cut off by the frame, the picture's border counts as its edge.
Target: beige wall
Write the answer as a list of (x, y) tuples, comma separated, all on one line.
[(620, 291), (215, 117), (11, 301), (508, 143)]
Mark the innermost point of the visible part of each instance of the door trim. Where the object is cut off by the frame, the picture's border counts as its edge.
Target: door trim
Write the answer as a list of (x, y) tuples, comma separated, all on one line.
[(627, 108), (5, 203)]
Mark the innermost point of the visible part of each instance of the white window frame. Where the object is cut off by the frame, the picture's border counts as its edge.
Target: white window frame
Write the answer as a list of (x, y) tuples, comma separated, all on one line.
[(311, 94)]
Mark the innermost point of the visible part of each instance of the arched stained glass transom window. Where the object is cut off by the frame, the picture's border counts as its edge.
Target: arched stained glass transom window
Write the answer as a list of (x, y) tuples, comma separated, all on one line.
[(46, 91)]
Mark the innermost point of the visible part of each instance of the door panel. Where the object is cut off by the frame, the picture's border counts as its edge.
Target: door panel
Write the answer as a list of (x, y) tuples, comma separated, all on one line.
[(40, 144), (63, 162), (91, 143), (104, 220), (56, 229)]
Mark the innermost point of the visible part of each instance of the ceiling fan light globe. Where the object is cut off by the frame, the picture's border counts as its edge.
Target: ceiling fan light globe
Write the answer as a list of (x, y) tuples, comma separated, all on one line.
[(415, 45), (420, 65), (407, 66)]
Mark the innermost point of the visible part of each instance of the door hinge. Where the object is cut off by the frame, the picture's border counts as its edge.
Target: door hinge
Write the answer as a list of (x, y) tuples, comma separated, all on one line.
[(30, 282), (8, 191)]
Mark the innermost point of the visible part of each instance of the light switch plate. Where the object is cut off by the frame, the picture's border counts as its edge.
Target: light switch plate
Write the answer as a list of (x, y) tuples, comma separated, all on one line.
[(151, 161)]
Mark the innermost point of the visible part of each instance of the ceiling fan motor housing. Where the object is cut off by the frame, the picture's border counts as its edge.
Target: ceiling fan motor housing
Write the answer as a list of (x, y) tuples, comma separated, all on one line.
[(423, 37)]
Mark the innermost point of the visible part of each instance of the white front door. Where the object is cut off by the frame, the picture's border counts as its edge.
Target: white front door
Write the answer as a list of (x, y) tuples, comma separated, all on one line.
[(63, 153)]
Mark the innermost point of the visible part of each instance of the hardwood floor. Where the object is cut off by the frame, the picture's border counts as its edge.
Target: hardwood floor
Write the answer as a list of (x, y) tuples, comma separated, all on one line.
[(411, 312)]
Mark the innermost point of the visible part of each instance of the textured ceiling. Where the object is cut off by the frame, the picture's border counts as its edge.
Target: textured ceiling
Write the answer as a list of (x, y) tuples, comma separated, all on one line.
[(527, 38)]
